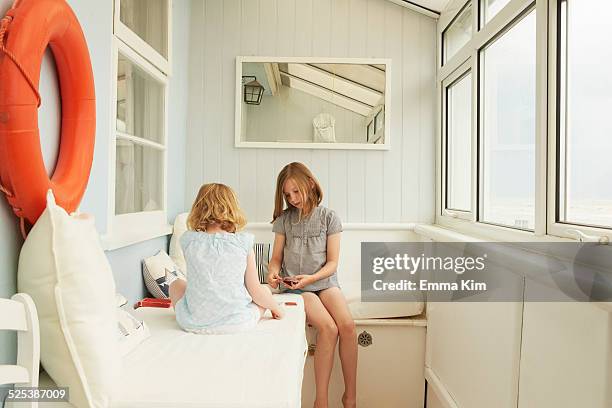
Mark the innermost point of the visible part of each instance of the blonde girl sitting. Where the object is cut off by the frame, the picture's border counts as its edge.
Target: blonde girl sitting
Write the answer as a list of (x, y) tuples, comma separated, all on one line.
[(223, 294), (305, 260)]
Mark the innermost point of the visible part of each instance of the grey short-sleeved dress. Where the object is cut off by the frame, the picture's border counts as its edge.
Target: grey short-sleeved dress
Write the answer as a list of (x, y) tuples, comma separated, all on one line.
[(305, 249)]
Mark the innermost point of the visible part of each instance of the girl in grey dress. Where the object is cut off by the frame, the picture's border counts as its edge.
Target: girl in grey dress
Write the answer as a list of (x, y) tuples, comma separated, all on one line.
[(305, 260)]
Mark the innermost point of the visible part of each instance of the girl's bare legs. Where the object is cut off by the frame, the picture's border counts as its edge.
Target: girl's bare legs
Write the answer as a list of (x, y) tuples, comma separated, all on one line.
[(177, 290), (335, 303), (327, 335)]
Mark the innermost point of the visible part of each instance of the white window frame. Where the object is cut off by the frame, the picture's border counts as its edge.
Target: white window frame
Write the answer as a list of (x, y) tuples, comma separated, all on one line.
[(464, 4), (561, 229), (130, 38), (539, 228), (464, 69), (470, 53), (127, 229)]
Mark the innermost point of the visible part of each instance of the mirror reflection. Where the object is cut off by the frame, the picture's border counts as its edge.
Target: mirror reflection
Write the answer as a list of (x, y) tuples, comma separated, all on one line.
[(312, 103)]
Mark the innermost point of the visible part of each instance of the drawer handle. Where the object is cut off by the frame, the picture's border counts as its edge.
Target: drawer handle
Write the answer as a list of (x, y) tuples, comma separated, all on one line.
[(364, 339)]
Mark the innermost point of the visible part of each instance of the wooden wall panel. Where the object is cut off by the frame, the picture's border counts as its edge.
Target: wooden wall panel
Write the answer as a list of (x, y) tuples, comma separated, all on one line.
[(373, 186)]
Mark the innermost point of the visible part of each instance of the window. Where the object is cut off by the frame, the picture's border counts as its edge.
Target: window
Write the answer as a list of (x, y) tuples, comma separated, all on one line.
[(507, 116), (540, 105), (457, 34), (490, 8), (379, 119), (584, 139), (139, 139), (141, 59), (489, 125), (144, 26), (459, 143)]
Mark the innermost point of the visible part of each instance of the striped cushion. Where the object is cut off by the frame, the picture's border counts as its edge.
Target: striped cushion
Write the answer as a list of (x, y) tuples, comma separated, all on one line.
[(262, 258), (154, 273)]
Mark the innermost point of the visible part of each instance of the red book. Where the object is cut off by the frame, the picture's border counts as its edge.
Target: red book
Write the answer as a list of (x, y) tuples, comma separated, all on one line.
[(153, 302)]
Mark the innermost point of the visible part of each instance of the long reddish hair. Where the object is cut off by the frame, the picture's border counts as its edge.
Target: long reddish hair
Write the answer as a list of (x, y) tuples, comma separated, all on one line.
[(307, 184)]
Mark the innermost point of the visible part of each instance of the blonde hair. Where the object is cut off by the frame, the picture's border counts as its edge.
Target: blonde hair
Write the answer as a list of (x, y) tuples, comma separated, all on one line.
[(216, 204), (307, 184)]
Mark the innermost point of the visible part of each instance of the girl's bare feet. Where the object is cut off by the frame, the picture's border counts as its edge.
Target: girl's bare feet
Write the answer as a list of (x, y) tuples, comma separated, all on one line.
[(348, 403)]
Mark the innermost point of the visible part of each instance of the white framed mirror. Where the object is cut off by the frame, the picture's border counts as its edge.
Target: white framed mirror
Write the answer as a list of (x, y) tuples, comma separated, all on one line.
[(312, 103)]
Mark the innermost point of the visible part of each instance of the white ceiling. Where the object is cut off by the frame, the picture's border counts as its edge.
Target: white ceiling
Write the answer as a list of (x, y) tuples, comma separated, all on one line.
[(435, 5)]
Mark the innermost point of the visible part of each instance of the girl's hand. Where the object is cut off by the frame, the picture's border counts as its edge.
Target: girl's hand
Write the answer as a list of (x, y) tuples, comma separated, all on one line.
[(302, 281), (278, 313), (273, 279)]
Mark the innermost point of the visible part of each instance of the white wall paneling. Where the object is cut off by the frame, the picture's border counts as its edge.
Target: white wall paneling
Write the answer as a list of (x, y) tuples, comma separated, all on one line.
[(230, 157), (194, 168), (392, 182), (427, 113), (374, 174), (411, 116), (266, 171), (372, 186), (213, 89), (247, 183)]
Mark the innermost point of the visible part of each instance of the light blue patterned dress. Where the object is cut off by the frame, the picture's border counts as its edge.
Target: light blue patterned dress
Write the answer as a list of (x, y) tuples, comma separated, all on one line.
[(216, 300)]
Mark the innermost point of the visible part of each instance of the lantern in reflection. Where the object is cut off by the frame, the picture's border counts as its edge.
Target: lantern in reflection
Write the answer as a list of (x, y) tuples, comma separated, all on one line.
[(253, 91)]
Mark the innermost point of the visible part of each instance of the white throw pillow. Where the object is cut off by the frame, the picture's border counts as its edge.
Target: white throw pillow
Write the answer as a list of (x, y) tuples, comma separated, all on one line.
[(154, 271), (63, 268), (176, 252)]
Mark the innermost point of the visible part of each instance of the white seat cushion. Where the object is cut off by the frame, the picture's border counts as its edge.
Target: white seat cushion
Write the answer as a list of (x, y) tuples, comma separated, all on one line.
[(379, 310), (260, 368)]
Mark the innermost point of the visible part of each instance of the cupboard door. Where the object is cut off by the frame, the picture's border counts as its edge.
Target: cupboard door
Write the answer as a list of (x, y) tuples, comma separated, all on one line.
[(473, 349), (566, 358)]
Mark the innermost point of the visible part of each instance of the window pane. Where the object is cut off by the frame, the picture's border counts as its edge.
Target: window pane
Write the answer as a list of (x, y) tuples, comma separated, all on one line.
[(138, 177), (490, 8), (149, 20), (457, 34), (459, 144), (140, 102), (508, 118), (586, 98)]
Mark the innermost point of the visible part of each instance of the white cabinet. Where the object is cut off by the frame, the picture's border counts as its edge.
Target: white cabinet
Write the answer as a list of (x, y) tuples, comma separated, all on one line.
[(390, 370), (474, 350), (530, 355), (566, 358)]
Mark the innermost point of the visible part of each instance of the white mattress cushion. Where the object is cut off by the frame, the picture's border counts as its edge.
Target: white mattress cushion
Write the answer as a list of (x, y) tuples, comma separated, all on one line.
[(63, 268), (261, 368), (379, 310)]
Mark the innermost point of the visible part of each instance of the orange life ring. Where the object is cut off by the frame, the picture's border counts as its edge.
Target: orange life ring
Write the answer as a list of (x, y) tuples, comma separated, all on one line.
[(26, 30)]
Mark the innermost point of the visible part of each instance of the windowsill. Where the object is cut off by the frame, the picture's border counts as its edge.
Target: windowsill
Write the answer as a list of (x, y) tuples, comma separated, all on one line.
[(438, 233), (123, 239), (454, 229)]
